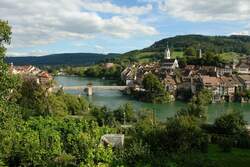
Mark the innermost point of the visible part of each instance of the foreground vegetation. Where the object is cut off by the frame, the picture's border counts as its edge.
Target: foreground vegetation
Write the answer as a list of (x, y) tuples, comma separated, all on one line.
[(39, 128)]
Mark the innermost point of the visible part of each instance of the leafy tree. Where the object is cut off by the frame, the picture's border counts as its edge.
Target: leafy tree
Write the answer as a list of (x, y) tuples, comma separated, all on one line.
[(197, 107), (126, 111), (75, 105), (7, 82), (93, 71), (180, 134), (232, 123), (190, 51), (155, 91)]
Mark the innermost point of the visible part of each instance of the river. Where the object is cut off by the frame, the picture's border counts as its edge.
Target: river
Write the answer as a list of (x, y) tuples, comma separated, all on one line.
[(113, 99)]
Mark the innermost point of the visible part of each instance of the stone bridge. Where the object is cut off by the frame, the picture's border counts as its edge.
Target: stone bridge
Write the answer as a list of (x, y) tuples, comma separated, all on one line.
[(90, 88)]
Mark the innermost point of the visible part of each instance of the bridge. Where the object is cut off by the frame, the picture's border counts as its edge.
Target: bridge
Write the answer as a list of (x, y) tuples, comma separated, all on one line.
[(89, 88)]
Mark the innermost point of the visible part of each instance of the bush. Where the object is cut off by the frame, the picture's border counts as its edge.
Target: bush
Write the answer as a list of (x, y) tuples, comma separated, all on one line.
[(180, 135), (231, 124)]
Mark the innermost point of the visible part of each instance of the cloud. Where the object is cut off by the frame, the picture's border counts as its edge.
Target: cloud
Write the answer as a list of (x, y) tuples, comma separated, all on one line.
[(30, 53), (207, 10), (245, 32), (43, 22), (99, 47), (108, 7)]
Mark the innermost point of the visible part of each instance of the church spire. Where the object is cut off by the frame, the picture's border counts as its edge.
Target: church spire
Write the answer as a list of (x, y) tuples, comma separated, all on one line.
[(200, 51), (167, 54)]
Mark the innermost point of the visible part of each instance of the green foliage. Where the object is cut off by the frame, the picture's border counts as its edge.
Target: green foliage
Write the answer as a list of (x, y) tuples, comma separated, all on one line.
[(7, 82), (75, 105), (197, 107), (232, 123), (70, 59), (99, 71), (154, 90), (190, 51), (106, 117), (35, 130), (218, 44), (44, 142), (124, 112), (180, 134)]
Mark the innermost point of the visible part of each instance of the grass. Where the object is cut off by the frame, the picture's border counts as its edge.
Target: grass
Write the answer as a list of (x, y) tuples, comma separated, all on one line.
[(237, 157), (230, 56), (177, 54)]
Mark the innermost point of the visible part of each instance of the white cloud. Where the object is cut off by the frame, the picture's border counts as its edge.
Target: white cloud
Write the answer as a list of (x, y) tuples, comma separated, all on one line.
[(41, 22), (207, 10), (245, 32), (108, 7), (99, 47), (30, 53)]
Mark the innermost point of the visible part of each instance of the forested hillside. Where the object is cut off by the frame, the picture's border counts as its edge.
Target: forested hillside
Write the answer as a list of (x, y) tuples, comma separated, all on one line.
[(227, 46), (219, 44), (61, 59)]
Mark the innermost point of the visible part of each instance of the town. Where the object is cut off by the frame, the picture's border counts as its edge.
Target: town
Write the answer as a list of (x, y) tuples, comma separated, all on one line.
[(228, 83)]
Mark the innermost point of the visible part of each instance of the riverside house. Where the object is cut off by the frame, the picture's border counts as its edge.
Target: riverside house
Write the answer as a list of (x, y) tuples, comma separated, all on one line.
[(245, 79), (212, 84), (244, 66)]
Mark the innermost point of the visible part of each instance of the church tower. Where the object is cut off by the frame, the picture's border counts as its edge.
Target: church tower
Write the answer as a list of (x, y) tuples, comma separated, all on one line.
[(200, 53), (167, 54)]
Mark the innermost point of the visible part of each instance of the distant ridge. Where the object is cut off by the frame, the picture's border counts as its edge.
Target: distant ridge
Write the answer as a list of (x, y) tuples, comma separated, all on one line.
[(61, 59), (236, 44)]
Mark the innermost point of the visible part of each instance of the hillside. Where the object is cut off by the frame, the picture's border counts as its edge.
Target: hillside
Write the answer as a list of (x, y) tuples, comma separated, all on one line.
[(219, 44), (62, 59), (227, 46)]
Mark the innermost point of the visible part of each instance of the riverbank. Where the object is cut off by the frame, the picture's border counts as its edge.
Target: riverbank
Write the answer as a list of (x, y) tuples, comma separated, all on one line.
[(113, 99)]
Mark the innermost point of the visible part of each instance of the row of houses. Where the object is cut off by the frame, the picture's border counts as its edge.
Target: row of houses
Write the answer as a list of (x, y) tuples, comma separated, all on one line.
[(29, 71), (225, 82)]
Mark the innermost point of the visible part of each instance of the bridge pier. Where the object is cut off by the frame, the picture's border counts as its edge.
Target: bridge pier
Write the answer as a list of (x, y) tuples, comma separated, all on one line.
[(90, 90)]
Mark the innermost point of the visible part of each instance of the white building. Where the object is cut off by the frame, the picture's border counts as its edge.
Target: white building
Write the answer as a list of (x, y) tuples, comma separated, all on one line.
[(169, 64)]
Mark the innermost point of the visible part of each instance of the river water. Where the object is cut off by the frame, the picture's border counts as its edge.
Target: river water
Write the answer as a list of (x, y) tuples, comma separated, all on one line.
[(113, 99)]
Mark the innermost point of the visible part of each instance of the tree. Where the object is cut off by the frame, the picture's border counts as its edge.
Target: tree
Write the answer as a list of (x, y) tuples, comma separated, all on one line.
[(231, 123), (190, 51), (155, 91), (124, 112), (197, 106), (7, 82), (180, 134)]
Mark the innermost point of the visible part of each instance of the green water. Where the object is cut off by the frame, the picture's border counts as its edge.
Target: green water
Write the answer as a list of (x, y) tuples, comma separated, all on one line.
[(113, 99)]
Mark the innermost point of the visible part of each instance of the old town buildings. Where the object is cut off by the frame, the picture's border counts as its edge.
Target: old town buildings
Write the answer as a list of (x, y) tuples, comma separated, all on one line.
[(225, 82), (32, 72)]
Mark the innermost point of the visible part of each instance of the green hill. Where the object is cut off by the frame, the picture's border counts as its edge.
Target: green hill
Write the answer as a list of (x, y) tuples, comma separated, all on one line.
[(228, 46), (74, 59)]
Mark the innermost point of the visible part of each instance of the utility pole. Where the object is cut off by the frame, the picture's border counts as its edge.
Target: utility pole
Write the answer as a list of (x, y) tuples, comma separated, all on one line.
[(124, 118)]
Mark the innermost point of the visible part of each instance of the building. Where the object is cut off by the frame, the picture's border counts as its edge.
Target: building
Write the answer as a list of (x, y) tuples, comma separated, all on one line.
[(31, 72), (44, 77), (228, 88), (128, 76), (114, 140), (212, 84), (224, 71), (245, 80), (243, 67), (170, 84), (168, 65), (108, 65), (24, 69)]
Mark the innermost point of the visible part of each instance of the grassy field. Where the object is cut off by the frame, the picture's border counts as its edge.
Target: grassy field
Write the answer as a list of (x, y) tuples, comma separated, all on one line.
[(176, 54), (236, 158), (230, 56)]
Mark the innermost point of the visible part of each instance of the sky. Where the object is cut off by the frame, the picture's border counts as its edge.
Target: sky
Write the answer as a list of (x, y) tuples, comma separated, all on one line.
[(42, 27)]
